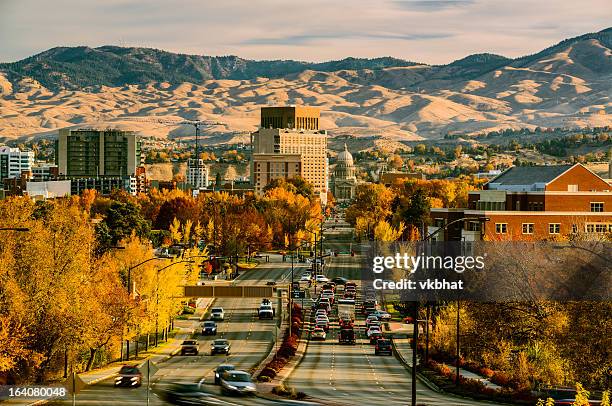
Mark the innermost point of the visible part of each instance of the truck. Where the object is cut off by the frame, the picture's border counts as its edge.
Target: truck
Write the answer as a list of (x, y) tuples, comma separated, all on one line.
[(346, 311), (265, 311)]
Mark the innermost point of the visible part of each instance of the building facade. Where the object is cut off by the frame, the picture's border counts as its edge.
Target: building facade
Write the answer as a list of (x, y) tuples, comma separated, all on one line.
[(13, 162), (101, 159), (344, 181), (197, 173), (286, 135), (531, 203)]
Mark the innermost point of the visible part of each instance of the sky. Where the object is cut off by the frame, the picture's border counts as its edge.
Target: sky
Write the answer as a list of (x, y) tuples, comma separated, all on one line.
[(427, 31)]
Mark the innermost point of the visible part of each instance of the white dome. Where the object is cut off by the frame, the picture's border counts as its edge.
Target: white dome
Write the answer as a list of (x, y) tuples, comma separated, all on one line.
[(345, 157)]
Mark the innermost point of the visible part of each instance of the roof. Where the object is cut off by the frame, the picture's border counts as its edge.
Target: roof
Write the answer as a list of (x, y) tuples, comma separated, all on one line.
[(528, 175)]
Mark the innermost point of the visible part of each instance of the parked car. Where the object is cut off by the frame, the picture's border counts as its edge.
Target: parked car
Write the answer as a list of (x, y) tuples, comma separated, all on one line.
[(383, 346), (129, 376), (220, 346), (237, 383), (189, 347), (209, 328), (220, 369), (217, 313)]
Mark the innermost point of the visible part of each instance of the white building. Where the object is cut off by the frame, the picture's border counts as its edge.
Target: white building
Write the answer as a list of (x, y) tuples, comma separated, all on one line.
[(13, 162), (197, 173), (48, 190)]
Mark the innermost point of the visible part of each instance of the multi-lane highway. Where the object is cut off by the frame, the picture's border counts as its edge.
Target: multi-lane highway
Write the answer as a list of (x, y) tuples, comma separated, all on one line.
[(351, 375), (250, 338)]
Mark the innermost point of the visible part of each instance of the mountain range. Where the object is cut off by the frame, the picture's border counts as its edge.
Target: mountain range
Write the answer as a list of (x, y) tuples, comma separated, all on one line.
[(381, 100)]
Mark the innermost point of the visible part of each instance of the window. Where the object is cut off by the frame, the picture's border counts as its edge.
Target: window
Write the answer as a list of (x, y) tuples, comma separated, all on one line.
[(527, 228), (554, 228), (501, 228), (574, 228), (572, 188), (598, 228), (597, 207)]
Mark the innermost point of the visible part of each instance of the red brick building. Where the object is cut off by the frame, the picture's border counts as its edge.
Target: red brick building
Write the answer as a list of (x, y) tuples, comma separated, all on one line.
[(531, 203)]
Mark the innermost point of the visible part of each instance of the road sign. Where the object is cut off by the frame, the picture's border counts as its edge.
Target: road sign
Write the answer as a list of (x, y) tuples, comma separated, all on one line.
[(298, 294)]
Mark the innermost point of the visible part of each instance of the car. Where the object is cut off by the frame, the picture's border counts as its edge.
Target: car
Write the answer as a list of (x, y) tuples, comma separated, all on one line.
[(322, 318), (382, 315), (220, 346), (129, 376), (220, 369), (217, 313), (339, 280), (305, 278), (189, 347), (374, 337), (383, 346), (350, 285), (324, 305), (346, 322), (346, 336), (321, 311), (209, 328), (321, 279), (237, 382), (265, 311), (372, 330), (322, 324), (318, 334), (186, 394), (370, 319)]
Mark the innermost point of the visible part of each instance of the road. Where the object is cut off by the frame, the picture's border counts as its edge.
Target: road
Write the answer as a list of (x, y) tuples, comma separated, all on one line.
[(353, 375), (250, 338)]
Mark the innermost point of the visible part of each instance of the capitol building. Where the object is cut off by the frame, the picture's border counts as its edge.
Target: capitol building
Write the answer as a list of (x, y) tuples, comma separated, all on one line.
[(343, 180)]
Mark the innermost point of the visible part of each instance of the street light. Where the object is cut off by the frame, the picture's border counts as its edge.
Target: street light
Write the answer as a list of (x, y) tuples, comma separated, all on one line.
[(415, 332), (291, 286)]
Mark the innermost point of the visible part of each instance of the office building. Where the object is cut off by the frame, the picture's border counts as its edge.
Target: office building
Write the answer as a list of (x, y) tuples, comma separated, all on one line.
[(197, 173), (290, 143), (13, 162), (531, 203), (101, 159)]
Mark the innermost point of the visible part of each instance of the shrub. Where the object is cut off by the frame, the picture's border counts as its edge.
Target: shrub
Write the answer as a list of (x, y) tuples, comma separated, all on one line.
[(500, 378)]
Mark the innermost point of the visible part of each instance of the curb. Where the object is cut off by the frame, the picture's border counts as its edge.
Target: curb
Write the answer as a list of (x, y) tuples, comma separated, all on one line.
[(420, 376), (112, 375)]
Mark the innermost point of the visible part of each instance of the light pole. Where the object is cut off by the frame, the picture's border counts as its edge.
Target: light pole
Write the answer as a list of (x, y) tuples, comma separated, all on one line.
[(415, 332), (157, 294)]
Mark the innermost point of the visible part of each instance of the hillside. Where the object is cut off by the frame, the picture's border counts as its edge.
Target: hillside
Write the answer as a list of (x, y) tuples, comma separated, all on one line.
[(370, 100)]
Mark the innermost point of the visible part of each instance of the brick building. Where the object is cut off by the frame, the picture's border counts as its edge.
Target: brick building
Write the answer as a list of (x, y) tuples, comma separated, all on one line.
[(531, 203)]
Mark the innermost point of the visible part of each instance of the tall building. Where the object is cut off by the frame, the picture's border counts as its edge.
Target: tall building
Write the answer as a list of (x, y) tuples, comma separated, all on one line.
[(344, 181), (100, 159), (13, 162), (197, 173), (289, 143), (531, 203)]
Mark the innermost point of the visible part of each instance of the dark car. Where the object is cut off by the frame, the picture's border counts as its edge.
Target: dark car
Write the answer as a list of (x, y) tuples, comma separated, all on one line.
[(346, 336), (187, 394), (129, 376), (374, 337), (209, 328), (339, 280), (220, 346), (221, 369), (383, 347), (189, 347)]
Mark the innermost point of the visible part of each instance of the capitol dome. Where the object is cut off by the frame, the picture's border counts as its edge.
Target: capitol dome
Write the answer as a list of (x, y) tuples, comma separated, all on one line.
[(345, 157)]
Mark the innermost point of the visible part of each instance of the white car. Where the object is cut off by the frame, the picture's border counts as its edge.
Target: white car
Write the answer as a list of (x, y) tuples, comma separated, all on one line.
[(373, 329), (305, 278), (318, 334), (321, 317), (217, 313), (321, 312), (322, 279)]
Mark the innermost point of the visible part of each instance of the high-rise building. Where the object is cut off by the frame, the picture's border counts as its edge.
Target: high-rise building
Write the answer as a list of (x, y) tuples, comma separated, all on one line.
[(13, 162), (100, 159), (289, 143), (197, 173)]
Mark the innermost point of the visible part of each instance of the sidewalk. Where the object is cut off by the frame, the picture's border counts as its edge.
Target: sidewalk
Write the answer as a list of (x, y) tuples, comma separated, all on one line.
[(158, 354)]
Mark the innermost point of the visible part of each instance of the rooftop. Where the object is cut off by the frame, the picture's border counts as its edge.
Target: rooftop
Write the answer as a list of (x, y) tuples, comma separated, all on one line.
[(529, 175)]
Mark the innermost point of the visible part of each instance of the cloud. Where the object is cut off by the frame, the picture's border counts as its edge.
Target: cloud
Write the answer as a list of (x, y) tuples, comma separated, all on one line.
[(431, 5), (312, 39)]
